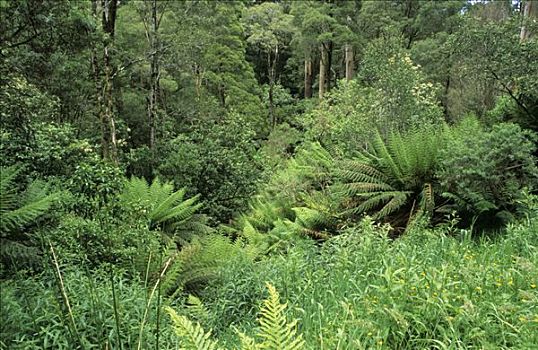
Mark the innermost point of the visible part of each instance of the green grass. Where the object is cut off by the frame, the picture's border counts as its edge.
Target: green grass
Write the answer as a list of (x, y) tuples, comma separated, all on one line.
[(359, 290), (426, 290)]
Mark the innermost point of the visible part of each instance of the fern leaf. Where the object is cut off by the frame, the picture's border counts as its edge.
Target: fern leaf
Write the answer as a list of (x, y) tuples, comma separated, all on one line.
[(276, 332), (192, 336), (247, 343)]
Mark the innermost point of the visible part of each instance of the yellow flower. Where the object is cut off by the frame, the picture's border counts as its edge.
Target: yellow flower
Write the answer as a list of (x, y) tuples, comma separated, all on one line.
[(478, 289), (533, 286)]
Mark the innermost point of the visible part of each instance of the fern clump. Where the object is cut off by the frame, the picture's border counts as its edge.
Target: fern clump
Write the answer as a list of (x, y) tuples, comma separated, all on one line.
[(275, 332), (396, 181), (18, 210), (163, 208)]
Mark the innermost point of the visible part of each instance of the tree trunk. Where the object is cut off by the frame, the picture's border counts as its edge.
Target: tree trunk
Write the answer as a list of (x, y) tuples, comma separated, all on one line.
[(98, 81), (272, 77), (323, 70), (350, 67), (104, 84), (529, 10), (329, 64), (154, 74), (308, 78)]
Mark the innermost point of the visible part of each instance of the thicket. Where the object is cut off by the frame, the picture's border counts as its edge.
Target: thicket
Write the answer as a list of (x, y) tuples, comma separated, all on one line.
[(184, 194)]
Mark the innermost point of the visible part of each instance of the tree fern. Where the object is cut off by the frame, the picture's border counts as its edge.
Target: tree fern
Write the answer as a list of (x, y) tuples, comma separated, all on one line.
[(163, 207), (18, 210), (396, 181)]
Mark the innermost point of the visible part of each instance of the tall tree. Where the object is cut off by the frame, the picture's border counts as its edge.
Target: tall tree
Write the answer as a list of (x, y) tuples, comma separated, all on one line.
[(530, 11), (152, 13), (269, 29), (103, 73)]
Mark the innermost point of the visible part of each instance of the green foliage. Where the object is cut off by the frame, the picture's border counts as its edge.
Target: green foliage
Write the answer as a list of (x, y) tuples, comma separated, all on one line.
[(192, 336), (502, 165), (275, 332), (21, 105), (490, 51), (361, 290), (159, 204), (19, 210), (391, 95), (94, 182), (197, 264), (103, 239), (395, 181), (33, 316), (217, 161)]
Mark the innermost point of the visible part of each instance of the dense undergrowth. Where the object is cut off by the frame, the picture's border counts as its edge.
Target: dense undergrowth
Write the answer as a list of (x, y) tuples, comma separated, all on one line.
[(180, 193), (433, 288)]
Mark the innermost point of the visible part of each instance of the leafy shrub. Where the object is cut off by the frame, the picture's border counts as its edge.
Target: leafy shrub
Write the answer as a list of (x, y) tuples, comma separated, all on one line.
[(94, 183), (103, 239), (484, 171), (58, 150), (217, 161)]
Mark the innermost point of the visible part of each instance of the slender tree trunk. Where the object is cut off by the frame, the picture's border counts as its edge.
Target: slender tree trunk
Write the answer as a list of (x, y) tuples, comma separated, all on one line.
[(106, 107), (530, 7), (308, 78), (329, 64), (98, 81), (272, 78), (350, 64), (198, 80), (154, 74), (323, 70)]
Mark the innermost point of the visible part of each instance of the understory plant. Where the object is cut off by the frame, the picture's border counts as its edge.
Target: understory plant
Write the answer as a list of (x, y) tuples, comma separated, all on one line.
[(19, 209), (394, 182), (275, 331)]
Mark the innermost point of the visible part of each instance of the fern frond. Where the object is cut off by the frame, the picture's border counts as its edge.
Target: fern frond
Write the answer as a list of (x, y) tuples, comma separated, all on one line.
[(14, 252), (386, 158), (160, 205), (196, 308), (358, 171), (276, 332), (20, 209), (397, 201), (192, 336), (247, 343), (27, 213)]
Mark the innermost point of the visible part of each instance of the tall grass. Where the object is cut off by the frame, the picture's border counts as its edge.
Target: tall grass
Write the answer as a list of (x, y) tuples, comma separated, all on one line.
[(106, 309), (424, 291), (359, 290)]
